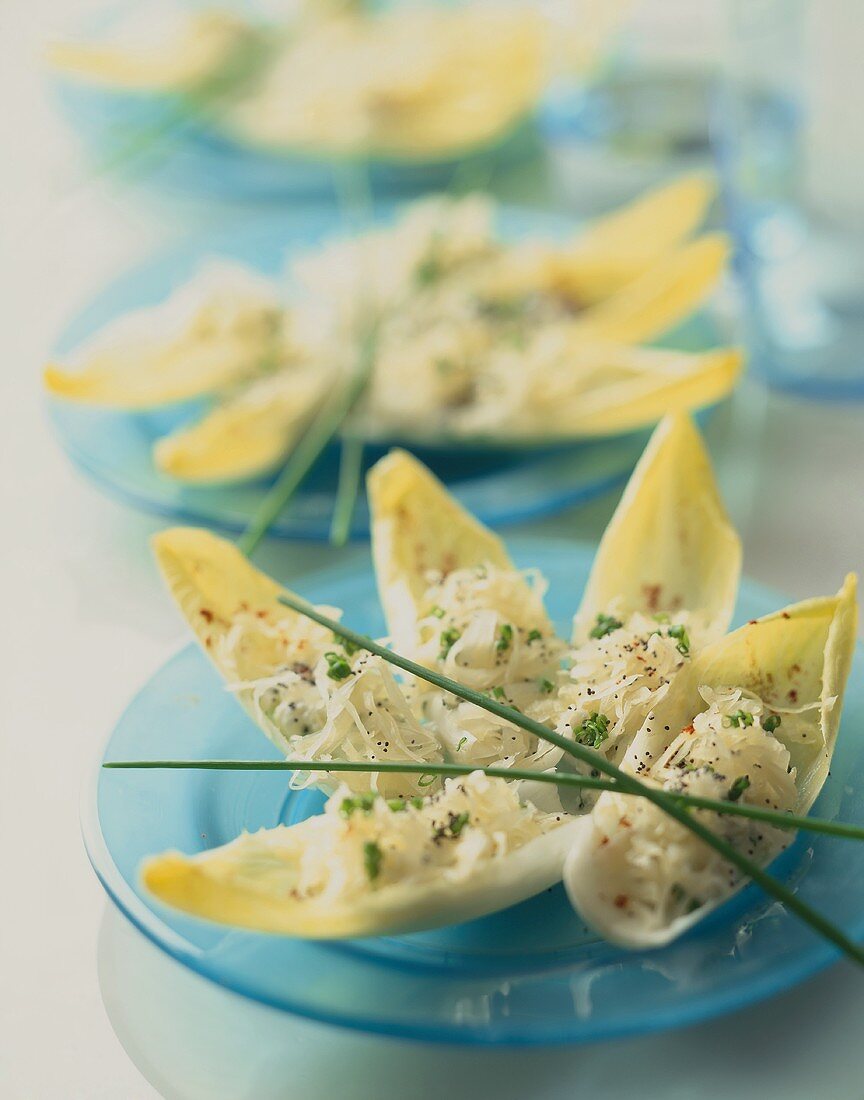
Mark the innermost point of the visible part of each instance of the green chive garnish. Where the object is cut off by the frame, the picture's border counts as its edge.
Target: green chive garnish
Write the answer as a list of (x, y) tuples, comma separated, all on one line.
[(738, 788), (741, 718), (605, 625), (372, 859), (593, 731), (337, 667), (679, 633)]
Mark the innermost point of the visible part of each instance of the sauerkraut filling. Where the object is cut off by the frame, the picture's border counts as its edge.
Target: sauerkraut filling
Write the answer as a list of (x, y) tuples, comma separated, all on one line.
[(619, 674), (367, 842), (486, 628), (655, 870), (331, 702)]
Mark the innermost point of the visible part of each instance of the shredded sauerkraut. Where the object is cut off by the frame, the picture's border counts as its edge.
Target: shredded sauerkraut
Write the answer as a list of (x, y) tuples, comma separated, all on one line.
[(616, 677), (655, 870), (487, 628)]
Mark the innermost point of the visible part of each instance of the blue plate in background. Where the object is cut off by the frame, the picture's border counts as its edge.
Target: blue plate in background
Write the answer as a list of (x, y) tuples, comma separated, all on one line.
[(532, 974), (498, 485)]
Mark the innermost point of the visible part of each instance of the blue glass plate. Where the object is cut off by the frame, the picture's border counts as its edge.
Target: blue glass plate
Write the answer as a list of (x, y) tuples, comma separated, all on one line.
[(496, 484), (532, 974)]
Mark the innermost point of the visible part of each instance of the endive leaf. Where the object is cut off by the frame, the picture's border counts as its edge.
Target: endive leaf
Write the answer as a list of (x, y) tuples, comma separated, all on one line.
[(245, 435), (617, 248), (221, 594), (797, 662), (662, 296), (631, 388), (670, 545), (418, 527), (220, 329), (247, 884)]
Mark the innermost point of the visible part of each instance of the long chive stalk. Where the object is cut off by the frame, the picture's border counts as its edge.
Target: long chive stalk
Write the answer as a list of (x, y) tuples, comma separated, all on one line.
[(627, 784), (350, 469), (324, 426), (776, 818), (353, 191)]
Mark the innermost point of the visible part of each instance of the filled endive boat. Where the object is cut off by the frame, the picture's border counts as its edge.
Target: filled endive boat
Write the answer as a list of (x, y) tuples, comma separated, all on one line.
[(476, 339)]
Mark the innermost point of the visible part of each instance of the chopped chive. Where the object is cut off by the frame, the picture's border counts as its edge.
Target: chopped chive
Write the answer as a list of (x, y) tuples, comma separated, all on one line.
[(459, 822), (605, 625), (593, 731), (364, 802), (462, 741), (448, 639), (505, 638), (739, 786), (771, 723), (337, 667), (741, 718), (679, 633), (547, 687), (534, 636), (372, 859), (497, 692)]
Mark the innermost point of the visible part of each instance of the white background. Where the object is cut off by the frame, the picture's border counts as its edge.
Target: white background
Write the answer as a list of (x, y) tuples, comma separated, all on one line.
[(84, 622)]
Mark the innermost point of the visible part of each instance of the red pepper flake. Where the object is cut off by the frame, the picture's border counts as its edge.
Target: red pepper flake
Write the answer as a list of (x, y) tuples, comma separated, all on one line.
[(604, 841), (752, 622), (689, 729), (621, 901), (793, 695), (262, 614), (625, 822), (785, 615), (207, 614)]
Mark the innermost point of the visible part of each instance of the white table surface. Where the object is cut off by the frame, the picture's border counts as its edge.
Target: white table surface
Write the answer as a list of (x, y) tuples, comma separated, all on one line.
[(85, 622)]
